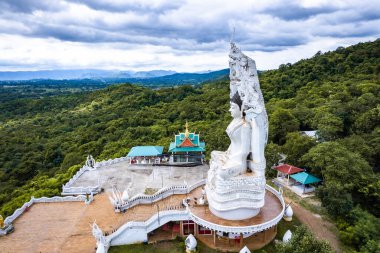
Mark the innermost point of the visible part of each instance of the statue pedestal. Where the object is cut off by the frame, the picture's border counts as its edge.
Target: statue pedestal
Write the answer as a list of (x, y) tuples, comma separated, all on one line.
[(236, 198), (236, 214)]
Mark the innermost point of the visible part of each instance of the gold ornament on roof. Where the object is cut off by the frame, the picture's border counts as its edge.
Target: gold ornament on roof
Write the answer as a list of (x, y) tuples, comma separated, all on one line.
[(187, 133)]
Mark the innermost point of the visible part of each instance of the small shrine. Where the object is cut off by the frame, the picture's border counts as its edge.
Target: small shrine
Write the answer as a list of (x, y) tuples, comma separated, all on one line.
[(187, 148), (145, 154)]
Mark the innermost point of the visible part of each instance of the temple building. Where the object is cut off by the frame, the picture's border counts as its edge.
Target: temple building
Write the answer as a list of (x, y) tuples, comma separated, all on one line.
[(187, 148), (145, 155)]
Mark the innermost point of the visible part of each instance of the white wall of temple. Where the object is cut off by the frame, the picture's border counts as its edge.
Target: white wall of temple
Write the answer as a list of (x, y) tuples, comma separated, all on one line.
[(130, 236)]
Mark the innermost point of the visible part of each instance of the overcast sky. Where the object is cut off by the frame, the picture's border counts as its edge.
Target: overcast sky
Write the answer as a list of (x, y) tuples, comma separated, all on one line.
[(180, 35)]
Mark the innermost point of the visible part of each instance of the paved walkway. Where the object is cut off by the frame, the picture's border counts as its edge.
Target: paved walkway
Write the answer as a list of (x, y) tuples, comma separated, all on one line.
[(65, 227)]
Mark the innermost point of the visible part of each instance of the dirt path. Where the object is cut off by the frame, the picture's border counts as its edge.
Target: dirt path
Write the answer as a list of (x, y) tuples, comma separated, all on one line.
[(318, 226)]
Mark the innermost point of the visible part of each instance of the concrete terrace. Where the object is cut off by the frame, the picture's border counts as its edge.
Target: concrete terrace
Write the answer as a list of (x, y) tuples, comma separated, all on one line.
[(65, 226), (139, 177)]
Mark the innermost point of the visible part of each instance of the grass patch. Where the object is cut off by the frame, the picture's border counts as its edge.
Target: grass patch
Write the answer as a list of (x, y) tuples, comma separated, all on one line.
[(150, 191)]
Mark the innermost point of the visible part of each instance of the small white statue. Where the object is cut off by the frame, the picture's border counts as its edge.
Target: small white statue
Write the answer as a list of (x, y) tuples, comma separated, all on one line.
[(101, 241), (287, 236), (90, 162), (191, 244), (288, 214), (125, 196), (245, 250)]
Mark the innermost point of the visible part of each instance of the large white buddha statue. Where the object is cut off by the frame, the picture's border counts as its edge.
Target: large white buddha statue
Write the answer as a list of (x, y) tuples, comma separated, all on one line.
[(236, 180)]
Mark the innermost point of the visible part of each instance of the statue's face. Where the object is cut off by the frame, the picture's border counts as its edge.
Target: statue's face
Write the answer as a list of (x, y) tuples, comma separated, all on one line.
[(235, 110)]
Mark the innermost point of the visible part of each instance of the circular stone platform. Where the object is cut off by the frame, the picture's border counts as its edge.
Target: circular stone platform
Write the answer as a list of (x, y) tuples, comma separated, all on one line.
[(257, 231), (272, 209)]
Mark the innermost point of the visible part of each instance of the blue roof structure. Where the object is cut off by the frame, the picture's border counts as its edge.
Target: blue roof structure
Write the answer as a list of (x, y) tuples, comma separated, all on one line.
[(146, 151), (305, 178)]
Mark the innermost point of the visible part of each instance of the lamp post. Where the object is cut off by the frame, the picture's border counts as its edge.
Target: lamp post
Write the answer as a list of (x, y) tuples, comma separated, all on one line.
[(158, 213), (187, 189)]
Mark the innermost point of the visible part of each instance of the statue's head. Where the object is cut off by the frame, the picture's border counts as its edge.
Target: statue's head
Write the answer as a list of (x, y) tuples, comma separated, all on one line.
[(236, 106), (235, 52)]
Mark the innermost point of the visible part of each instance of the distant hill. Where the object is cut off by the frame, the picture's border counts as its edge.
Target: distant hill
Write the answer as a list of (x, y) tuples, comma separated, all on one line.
[(80, 74), (180, 78), (100, 78)]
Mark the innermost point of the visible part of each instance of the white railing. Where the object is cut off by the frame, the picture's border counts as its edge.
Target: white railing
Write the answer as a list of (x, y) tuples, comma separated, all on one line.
[(76, 176), (21, 210), (67, 189), (159, 195), (80, 190), (111, 161), (152, 223), (243, 229)]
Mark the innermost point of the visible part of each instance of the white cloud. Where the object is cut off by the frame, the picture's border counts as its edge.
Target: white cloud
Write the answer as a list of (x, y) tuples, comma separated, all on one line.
[(189, 35)]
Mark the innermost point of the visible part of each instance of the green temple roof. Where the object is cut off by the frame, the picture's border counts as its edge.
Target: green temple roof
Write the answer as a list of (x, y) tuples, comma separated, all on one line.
[(187, 142), (146, 151), (200, 148), (305, 178)]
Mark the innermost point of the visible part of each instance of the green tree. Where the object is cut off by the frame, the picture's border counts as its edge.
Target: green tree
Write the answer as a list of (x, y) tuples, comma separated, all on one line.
[(303, 241), (330, 127), (281, 122), (296, 145), (361, 228), (341, 170), (272, 156)]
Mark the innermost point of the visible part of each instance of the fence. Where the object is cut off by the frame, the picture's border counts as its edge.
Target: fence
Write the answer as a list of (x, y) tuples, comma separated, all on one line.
[(8, 221), (161, 194), (67, 189)]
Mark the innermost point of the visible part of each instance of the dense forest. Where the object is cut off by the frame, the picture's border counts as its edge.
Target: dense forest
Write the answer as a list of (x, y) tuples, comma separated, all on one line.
[(337, 93), (37, 88)]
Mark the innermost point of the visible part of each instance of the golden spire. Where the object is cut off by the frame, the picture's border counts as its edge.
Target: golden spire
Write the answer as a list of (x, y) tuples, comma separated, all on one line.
[(187, 133)]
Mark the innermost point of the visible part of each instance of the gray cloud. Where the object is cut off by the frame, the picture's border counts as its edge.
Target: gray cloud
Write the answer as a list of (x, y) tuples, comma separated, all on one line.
[(184, 27), (137, 6), (28, 6), (292, 11)]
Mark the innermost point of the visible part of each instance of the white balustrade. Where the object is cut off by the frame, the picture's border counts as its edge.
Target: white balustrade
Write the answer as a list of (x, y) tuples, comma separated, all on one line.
[(67, 189), (21, 210), (159, 195), (163, 217), (152, 223)]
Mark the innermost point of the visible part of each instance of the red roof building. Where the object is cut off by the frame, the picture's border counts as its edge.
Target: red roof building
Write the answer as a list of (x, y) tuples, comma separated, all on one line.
[(285, 170), (288, 169)]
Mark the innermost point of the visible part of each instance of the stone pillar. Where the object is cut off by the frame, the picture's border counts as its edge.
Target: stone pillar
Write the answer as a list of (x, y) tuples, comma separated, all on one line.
[(265, 235), (214, 237), (181, 228), (241, 240)]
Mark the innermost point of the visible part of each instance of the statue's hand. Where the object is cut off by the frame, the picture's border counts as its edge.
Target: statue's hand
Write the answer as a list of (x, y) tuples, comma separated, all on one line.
[(250, 114)]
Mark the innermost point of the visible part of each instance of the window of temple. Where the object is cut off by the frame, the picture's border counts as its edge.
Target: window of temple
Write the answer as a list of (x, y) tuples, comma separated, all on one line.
[(204, 231)]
